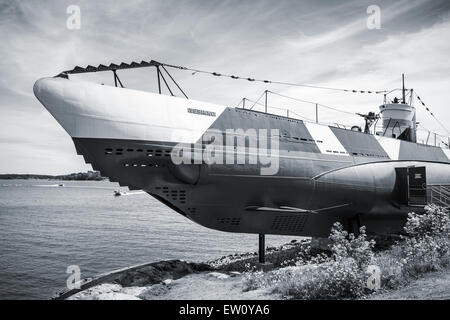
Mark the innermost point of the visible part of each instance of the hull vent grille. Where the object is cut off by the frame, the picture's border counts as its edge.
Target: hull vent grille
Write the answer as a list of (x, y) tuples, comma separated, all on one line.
[(230, 221), (148, 152), (289, 223), (174, 194), (192, 210)]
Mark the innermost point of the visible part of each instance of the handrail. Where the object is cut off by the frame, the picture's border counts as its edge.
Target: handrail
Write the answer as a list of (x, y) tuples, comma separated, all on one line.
[(443, 196), (440, 194)]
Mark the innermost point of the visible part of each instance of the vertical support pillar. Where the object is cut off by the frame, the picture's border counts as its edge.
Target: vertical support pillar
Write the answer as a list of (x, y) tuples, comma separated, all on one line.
[(243, 103), (262, 248)]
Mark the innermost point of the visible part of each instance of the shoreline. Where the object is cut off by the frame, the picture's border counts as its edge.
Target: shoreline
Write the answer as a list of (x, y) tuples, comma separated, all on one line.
[(181, 280), (80, 176), (165, 272)]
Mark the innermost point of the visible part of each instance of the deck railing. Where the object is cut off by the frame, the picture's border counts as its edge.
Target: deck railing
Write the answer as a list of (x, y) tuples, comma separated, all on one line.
[(439, 195)]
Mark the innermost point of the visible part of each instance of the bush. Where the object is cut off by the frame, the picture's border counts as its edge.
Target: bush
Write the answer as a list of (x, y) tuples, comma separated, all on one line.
[(329, 280), (426, 247), (341, 275), (347, 246), (434, 223)]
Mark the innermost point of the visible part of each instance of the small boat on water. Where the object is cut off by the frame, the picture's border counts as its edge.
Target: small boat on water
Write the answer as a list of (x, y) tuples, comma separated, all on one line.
[(118, 193)]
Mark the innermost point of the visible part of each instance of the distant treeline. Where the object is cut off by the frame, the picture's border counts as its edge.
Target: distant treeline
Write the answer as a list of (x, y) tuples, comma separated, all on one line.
[(90, 175)]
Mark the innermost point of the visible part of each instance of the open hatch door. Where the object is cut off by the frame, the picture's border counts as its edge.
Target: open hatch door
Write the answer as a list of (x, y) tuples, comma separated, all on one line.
[(412, 186)]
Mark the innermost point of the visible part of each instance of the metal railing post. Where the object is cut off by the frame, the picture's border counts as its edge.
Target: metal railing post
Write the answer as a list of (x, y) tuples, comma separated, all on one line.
[(266, 102), (317, 113), (159, 79)]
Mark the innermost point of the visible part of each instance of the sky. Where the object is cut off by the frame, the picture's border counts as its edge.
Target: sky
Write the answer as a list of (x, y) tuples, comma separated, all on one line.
[(325, 43)]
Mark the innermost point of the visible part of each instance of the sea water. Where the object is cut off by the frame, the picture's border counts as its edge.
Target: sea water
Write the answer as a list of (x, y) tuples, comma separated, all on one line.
[(45, 227)]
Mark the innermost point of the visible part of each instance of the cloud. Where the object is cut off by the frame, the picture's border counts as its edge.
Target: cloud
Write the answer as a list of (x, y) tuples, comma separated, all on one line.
[(349, 27), (309, 41)]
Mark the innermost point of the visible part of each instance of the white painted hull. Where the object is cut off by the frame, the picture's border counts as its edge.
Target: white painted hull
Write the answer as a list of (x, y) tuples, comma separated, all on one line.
[(88, 110)]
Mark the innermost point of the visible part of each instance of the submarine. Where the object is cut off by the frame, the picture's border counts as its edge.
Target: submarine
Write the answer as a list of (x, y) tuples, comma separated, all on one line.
[(236, 169)]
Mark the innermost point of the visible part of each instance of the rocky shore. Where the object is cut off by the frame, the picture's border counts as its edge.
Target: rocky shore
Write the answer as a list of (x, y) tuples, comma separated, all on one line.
[(157, 280), (224, 279)]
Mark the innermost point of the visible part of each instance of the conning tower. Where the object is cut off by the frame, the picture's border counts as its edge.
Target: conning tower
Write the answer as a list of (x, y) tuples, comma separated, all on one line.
[(399, 118)]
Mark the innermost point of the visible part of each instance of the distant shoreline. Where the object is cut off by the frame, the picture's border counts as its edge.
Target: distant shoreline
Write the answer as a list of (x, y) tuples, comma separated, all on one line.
[(90, 175)]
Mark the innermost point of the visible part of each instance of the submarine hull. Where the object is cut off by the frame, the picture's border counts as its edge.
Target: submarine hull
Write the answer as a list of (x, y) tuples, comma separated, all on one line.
[(323, 174)]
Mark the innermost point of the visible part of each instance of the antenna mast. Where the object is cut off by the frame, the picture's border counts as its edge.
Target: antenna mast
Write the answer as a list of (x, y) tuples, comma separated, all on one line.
[(403, 89)]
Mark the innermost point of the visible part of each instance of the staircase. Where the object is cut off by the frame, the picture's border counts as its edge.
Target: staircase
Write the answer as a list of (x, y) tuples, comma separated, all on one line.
[(439, 195)]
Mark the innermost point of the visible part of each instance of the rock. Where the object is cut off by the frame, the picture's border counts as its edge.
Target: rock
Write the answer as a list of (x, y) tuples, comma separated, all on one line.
[(116, 296), (218, 275), (158, 272), (134, 291), (103, 290), (158, 278), (153, 291)]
